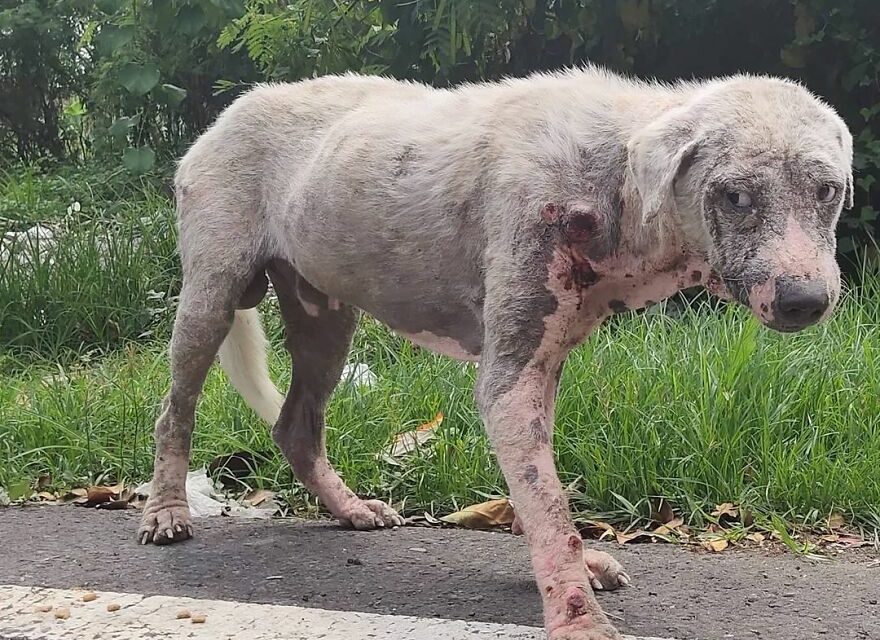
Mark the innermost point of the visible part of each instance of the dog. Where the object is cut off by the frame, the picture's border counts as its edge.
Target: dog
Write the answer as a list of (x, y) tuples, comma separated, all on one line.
[(498, 222)]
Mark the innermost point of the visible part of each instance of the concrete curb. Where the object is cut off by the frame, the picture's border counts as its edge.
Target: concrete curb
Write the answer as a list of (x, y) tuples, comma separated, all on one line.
[(31, 613)]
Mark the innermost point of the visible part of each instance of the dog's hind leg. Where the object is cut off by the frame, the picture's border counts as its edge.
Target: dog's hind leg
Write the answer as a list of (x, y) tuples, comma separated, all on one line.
[(318, 336), (219, 259)]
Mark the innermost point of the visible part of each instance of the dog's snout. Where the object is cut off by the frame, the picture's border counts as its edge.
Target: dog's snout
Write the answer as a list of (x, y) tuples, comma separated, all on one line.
[(799, 302)]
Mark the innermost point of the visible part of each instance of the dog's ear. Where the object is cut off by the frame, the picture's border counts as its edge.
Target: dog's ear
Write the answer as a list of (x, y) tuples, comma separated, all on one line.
[(656, 155)]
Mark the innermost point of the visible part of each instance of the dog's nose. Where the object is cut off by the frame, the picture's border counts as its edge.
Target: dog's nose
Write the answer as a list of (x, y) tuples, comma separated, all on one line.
[(799, 302)]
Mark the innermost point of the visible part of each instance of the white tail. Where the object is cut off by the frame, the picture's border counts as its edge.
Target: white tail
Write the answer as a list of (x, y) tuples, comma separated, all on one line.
[(243, 359)]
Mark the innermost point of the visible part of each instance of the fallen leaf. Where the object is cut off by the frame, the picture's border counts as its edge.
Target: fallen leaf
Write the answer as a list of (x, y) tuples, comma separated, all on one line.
[(717, 545), (42, 482), (756, 537), (45, 495), (669, 527), (726, 509), (99, 494), (258, 497), (485, 515), (850, 540), (409, 441), (76, 496), (431, 519), (113, 505), (624, 537), (835, 521)]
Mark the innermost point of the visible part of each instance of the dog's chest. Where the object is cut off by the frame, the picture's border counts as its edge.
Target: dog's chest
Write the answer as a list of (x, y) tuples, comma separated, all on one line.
[(596, 289)]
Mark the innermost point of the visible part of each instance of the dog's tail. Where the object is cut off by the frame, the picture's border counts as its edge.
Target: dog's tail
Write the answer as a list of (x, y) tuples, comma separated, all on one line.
[(243, 359)]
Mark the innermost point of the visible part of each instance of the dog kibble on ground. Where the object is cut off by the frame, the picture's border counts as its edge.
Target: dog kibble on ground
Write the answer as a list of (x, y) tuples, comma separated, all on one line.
[(113, 607), (199, 618), (89, 596), (183, 614), (62, 613)]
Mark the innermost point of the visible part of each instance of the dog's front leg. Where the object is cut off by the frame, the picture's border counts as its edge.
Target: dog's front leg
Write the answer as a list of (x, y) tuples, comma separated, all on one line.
[(512, 395)]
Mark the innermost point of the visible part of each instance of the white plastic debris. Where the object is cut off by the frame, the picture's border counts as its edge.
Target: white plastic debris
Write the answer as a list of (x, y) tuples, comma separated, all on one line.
[(38, 241), (360, 375), (205, 501), (200, 494)]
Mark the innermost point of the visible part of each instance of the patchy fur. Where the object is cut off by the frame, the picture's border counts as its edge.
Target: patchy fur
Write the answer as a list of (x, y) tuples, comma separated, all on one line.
[(500, 221)]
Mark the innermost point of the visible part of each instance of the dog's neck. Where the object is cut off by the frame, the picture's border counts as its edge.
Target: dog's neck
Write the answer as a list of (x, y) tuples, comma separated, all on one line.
[(660, 241)]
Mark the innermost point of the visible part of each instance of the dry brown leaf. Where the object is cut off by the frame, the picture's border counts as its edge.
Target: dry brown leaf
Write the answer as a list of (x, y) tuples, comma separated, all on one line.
[(851, 541), (409, 441), (494, 513), (97, 495), (624, 537), (46, 495), (258, 496), (835, 521), (756, 537), (604, 527), (726, 509), (42, 482), (669, 527), (716, 545)]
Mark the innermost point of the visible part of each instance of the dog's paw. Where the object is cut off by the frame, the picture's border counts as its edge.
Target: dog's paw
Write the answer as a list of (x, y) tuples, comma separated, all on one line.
[(365, 515), (605, 573), (164, 522)]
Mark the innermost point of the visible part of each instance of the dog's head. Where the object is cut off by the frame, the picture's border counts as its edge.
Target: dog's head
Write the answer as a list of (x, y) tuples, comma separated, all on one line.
[(755, 172)]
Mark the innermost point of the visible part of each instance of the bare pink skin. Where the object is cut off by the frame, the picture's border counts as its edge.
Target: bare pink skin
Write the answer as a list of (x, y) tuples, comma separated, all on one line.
[(795, 254), (558, 558), (319, 477), (440, 344)]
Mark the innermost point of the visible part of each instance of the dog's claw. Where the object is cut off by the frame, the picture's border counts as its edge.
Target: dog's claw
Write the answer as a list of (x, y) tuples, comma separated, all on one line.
[(164, 523), (605, 573)]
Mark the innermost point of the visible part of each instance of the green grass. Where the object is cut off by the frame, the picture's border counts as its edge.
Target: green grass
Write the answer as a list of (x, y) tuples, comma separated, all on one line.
[(107, 279), (705, 408), (700, 410)]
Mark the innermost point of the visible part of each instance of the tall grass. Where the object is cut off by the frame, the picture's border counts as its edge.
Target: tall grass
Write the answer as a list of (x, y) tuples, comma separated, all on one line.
[(704, 408), (105, 276), (699, 410)]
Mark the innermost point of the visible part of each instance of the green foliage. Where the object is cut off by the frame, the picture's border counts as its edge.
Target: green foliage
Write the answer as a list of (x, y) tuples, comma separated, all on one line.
[(117, 78), (43, 73), (157, 62)]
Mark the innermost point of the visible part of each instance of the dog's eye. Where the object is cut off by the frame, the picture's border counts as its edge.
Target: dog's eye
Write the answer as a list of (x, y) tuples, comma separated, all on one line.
[(826, 193), (739, 199)]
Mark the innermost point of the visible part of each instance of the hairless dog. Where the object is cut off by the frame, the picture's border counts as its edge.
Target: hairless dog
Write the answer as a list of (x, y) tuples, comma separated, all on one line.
[(498, 222)]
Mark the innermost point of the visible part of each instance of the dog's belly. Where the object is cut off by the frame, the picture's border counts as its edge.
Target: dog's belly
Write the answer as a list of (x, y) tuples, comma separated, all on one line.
[(443, 345)]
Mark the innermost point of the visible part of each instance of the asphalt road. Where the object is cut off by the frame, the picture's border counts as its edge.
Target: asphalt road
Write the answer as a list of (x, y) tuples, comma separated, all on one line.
[(453, 574)]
